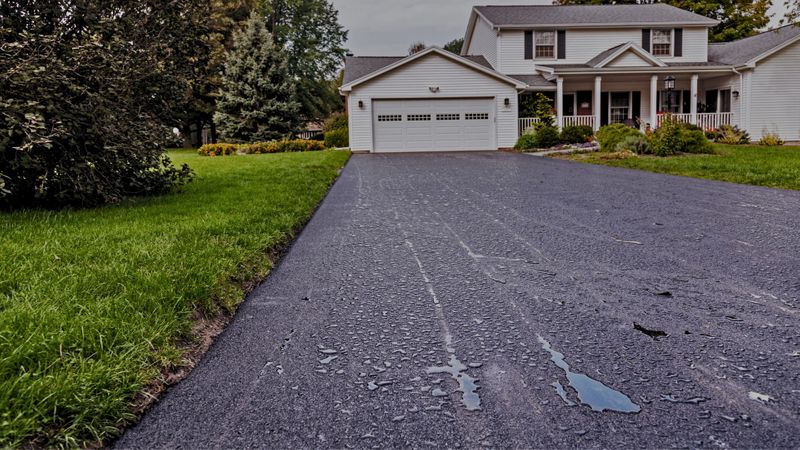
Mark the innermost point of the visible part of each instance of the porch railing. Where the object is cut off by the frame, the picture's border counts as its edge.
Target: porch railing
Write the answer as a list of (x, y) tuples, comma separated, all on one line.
[(525, 123), (578, 120), (704, 120)]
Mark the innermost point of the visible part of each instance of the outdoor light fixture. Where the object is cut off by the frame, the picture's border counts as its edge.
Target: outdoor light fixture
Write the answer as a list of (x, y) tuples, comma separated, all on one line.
[(735, 94), (669, 83), (434, 89), (507, 102), (361, 104)]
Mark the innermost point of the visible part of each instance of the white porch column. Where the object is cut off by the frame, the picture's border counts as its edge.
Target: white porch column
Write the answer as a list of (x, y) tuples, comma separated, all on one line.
[(559, 102), (693, 99), (654, 101), (597, 101)]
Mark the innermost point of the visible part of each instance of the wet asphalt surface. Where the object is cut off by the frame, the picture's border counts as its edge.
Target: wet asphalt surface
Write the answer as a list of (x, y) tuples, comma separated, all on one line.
[(424, 274)]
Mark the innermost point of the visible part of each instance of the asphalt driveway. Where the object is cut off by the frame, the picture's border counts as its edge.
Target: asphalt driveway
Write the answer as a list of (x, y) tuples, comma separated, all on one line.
[(504, 300)]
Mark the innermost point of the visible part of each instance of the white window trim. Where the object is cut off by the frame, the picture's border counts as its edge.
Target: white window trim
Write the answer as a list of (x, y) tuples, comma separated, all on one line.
[(629, 107), (719, 97), (555, 46), (671, 43)]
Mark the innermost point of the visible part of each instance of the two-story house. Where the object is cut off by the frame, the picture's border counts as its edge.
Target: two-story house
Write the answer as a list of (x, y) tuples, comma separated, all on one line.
[(600, 64)]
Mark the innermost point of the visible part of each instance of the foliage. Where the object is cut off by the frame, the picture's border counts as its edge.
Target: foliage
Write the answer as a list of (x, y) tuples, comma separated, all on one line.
[(731, 135), (455, 46), (610, 135), (80, 119), (674, 137), (634, 143), (256, 148), (541, 136), (576, 134), (543, 110), (337, 138), (761, 166), (771, 140), (335, 121), (257, 102), (527, 141), (737, 18), (416, 47), (313, 40), (96, 305)]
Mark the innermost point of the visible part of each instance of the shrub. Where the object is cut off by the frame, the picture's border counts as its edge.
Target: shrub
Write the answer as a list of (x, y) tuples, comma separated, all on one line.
[(770, 139), (636, 144), (673, 137), (727, 134), (220, 149), (258, 148), (337, 138), (335, 121), (526, 142), (576, 134), (299, 145), (546, 136), (610, 135)]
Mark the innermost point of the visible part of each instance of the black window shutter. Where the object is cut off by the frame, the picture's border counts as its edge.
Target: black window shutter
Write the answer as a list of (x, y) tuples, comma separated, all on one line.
[(678, 42), (562, 44), (646, 39), (637, 105), (687, 102), (604, 108), (529, 45)]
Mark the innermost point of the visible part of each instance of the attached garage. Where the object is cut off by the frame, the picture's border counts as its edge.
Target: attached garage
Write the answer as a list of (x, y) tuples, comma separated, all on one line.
[(432, 101)]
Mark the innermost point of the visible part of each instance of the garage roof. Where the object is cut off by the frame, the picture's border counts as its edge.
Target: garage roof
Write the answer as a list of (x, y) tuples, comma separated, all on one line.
[(356, 67), (745, 50)]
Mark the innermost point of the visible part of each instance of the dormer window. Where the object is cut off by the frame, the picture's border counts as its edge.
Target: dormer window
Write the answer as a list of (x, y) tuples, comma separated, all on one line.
[(662, 42), (545, 44)]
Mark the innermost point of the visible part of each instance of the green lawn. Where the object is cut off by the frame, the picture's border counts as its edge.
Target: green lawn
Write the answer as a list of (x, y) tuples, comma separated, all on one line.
[(94, 303), (747, 164)]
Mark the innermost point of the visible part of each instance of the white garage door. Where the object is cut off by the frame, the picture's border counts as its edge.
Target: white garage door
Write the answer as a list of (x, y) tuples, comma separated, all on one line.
[(433, 125)]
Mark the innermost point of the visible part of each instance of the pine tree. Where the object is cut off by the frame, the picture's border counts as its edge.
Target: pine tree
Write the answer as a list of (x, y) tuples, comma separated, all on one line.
[(257, 101)]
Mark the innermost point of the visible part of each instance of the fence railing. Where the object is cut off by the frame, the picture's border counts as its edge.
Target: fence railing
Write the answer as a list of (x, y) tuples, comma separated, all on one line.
[(704, 120), (525, 123), (578, 120)]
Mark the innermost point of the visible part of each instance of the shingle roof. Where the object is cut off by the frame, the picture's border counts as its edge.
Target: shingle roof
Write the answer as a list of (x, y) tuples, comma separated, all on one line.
[(356, 67), (709, 64), (604, 54), (524, 15), (534, 80), (741, 51)]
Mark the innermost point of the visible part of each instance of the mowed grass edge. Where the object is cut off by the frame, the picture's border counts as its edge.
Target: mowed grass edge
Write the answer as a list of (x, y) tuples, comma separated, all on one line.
[(776, 167), (96, 305)]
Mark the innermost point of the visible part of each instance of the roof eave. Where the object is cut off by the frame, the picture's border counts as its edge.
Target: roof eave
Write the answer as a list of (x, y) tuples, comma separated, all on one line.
[(639, 70), (709, 24)]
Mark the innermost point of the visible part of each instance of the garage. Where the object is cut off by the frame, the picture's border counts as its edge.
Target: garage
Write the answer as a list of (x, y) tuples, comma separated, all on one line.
[(432, 101), (433, 125)]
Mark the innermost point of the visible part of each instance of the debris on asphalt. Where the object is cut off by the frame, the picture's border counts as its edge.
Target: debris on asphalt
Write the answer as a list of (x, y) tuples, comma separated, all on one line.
[(655, 334)]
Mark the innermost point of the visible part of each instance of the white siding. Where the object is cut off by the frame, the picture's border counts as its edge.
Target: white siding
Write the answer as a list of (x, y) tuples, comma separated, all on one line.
[(629, 59), (585, 44), (775, 95), (731, 82), (413, 81), (484, 42)]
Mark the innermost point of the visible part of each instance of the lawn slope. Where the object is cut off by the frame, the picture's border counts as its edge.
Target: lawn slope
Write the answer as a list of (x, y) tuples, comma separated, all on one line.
[(777, 167), (94, 304)]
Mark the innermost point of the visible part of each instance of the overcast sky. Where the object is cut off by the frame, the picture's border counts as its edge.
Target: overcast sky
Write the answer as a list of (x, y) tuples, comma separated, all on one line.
[(389, 27)]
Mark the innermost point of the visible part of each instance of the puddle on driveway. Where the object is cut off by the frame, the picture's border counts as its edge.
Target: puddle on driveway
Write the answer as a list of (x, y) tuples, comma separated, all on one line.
[(591, 392), (466, 384)]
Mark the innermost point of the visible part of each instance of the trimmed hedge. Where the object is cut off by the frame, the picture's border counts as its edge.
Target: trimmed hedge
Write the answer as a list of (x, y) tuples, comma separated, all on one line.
[(284, 146), (609, 136), (337, 138)]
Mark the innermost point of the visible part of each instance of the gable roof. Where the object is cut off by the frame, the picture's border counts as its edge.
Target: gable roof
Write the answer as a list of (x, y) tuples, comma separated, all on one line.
[(749, 50), (605, 57), (575, 16), (485, 69), (356, 67)]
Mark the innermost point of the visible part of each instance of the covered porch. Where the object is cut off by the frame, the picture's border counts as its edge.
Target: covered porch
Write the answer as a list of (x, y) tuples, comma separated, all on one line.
[(641, 100)]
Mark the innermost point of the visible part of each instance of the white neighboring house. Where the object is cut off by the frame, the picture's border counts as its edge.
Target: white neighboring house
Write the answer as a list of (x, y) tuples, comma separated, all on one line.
[(600, 63)]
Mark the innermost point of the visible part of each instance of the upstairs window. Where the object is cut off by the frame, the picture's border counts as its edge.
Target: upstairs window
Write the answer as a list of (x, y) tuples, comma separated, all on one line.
[(662, 43), (545, 44)]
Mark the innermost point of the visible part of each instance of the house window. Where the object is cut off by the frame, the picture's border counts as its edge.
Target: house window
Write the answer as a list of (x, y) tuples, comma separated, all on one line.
[(448, 117), (620, 107), (725, 100), (662, 43), (476, 116), (670, 102), (545, 44), (418, 117)]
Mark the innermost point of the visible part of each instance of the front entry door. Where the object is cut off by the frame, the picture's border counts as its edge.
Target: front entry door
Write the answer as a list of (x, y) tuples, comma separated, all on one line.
[(584, 103)]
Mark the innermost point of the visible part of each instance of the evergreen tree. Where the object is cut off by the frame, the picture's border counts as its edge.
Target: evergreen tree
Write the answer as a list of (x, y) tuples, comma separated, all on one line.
[(454, 46), (257, 101)]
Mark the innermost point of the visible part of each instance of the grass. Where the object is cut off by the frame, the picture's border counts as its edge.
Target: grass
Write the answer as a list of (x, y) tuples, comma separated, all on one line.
[(96, 304), (777, 167)]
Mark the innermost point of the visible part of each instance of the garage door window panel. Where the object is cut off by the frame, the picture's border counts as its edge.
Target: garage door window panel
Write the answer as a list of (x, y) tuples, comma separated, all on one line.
[(418, 117), (476, 116)]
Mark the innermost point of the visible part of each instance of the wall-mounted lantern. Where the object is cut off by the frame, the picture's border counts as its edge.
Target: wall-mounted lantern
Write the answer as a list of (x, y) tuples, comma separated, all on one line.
[(361, 104), (507, 102), (735, 94), (434, 89)]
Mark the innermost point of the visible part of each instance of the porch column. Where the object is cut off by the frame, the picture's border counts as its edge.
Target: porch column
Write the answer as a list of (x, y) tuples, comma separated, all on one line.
[(693, 99), (597, 101), (654, 101), (559, 102)]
